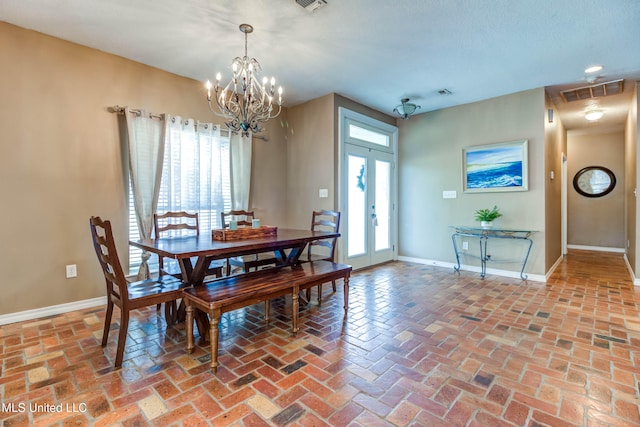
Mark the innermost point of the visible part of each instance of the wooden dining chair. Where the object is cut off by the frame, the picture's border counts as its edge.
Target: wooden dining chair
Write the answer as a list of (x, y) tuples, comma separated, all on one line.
[(178, 223), (129, 296), (325, 249), (246, 262)]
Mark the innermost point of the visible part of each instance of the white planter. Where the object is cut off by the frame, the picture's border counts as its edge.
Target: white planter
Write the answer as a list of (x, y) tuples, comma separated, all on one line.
[(486, 224)]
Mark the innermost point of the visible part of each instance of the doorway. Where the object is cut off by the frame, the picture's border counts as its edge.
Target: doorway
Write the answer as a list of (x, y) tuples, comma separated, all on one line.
[(368, 190)]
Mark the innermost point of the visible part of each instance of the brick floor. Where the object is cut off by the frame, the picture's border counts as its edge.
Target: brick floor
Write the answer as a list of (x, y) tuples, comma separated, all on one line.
[(421, 346)]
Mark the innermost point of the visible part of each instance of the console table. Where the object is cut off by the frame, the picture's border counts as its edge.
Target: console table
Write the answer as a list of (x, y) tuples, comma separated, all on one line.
[(484, 234)]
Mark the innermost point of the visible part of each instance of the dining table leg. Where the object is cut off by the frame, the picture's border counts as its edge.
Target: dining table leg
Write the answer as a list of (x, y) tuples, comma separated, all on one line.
[(194, 275), (189, 329), (214, 332), (294, 254)]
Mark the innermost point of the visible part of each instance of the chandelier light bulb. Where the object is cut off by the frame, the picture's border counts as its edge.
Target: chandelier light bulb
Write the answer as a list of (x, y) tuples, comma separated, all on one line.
[(208, 86)]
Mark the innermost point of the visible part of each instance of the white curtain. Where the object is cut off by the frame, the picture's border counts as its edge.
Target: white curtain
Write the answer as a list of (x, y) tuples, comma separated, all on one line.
[(146, 137), (196, 174), (240, 171)]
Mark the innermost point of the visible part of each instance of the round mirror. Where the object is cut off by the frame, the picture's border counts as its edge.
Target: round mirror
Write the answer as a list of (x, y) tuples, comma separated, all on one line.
[(594, 181)]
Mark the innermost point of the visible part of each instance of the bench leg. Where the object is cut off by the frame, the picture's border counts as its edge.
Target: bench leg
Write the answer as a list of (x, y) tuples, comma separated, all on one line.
[(294, 308), (213, 336), (346, 294), (189, 329), (267, 310)]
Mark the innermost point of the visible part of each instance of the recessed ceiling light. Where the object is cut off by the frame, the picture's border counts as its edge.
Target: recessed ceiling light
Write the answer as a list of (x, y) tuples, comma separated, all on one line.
[(593, 115), (593, 69)]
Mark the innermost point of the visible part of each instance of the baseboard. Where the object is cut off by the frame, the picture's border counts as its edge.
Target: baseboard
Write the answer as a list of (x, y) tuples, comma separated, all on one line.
[(554, 266), (496, 272), (38, 313), (596, 248), (634, 279)]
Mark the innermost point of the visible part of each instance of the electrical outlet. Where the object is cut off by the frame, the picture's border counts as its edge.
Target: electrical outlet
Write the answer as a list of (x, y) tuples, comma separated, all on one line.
[(71, 271), (465, 246), (323, 193)]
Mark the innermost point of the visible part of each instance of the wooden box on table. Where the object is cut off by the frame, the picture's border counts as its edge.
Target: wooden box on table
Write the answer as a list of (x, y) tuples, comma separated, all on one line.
[(245, 233)]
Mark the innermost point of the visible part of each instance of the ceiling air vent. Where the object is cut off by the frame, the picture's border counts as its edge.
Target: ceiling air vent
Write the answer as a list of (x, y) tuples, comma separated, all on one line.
[(614, 87), (311, 5), (444, 92)]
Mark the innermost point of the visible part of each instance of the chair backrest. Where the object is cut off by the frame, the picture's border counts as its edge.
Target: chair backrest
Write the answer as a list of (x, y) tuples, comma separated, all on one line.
[(242, 217), (175, 221), (325, 220), (107, 254)]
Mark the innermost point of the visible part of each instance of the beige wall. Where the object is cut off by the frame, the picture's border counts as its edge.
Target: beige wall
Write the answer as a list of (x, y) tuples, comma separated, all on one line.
[(430, 161), (269, 175), (312, 154), (310, 159), (555, 146), (632, 140), (61, 160), (598, 221)]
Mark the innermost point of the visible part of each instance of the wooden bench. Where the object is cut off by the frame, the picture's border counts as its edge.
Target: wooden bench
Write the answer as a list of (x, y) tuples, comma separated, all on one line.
[(234, 292)]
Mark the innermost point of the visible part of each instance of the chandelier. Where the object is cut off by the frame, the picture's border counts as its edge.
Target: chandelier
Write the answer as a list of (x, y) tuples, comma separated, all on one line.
[(405, 109), (244, 101)]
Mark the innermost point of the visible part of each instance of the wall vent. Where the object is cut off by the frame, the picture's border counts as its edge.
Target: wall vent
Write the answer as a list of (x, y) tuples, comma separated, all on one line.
[(311, 5), (614, 87)]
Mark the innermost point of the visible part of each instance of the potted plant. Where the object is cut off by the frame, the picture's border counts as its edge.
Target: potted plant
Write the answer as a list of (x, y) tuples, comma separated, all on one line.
[(486, 216)]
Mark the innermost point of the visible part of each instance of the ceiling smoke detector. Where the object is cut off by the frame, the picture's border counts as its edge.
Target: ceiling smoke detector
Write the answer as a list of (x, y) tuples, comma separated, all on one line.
[(311, 5)]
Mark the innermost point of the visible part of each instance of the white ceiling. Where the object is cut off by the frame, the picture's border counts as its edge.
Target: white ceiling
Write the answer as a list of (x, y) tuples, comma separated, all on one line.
[(372, 51)]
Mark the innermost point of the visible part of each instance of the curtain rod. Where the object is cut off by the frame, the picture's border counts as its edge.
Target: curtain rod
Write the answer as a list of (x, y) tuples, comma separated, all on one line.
[(120, 110)]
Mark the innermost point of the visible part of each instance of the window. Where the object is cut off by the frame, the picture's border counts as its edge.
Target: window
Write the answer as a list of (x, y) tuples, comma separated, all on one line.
[(365, 133), (196, 177)]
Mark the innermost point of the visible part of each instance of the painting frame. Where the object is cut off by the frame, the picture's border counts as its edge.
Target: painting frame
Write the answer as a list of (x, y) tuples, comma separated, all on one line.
[(497, 167)]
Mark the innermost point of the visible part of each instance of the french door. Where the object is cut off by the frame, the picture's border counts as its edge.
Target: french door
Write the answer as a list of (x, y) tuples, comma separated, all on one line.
[(368, 197)]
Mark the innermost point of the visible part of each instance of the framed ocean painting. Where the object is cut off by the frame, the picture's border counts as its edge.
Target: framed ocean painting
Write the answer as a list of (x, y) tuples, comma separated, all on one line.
[(495, 167)]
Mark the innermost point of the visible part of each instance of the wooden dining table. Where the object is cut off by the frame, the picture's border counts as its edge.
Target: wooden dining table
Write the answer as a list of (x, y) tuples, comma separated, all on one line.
[(287, 245)]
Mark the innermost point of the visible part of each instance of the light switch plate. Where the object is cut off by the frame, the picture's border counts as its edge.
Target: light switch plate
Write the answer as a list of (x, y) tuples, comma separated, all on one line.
[(323, 193), (449, 194)]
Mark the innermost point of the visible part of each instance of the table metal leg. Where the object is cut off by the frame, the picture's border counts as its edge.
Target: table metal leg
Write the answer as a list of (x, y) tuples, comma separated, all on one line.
[(526, 257), (483, 256), (455, 249)]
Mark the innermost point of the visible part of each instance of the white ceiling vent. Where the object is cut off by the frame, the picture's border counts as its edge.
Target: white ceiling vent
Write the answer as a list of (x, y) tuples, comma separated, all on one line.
[(311, 5), (614, 87)]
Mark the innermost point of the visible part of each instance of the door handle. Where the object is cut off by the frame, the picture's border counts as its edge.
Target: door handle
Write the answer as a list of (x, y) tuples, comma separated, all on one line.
[(374, 216)]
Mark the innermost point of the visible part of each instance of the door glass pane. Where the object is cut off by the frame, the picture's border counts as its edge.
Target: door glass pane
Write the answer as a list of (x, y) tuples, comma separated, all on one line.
[(382, 235), (356, 224)]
